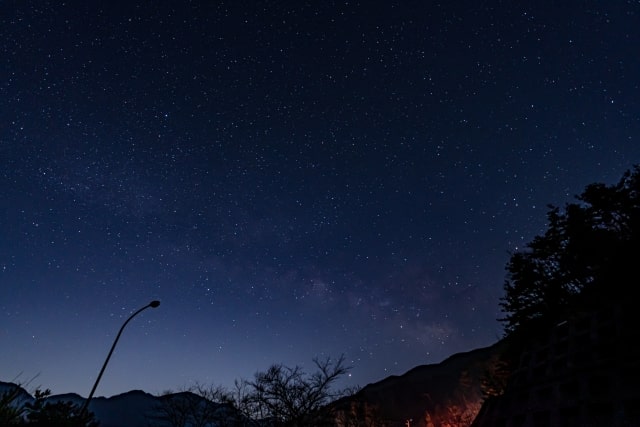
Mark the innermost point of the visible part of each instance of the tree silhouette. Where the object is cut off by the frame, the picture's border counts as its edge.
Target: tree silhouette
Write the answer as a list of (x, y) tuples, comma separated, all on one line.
[(200, 406), (284, 396), (279, 397), (11, 412), (42, 413), (585, 257)]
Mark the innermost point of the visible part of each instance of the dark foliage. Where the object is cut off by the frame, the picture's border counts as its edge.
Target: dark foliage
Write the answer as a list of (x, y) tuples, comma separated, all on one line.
[(11, 414), (42, 413), (586, 257)]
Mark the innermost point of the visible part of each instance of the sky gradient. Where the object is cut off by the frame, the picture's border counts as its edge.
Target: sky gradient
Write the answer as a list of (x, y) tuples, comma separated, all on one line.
[(290, 179)]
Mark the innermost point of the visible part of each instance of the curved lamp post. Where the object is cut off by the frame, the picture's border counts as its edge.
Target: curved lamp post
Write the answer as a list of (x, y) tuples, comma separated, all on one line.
[(152, 304)]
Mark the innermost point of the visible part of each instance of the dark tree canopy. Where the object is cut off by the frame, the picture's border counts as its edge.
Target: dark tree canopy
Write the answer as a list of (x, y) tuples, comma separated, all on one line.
[(43, 413), (588, 255)]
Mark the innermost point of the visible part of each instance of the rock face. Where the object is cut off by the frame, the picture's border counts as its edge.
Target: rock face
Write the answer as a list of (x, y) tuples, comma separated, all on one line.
[(583, 372), (444, 394)]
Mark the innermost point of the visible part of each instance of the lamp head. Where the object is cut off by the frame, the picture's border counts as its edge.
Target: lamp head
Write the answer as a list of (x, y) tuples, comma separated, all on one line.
[(154, 304)]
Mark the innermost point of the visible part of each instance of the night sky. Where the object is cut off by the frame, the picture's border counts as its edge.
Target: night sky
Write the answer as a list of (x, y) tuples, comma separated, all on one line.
[(291, 179)]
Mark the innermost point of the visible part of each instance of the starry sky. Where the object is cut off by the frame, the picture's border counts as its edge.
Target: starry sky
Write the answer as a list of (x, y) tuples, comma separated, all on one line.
[(291, 179)]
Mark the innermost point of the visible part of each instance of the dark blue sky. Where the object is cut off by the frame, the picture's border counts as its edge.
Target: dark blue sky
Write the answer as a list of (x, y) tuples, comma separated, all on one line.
[(291, 179)]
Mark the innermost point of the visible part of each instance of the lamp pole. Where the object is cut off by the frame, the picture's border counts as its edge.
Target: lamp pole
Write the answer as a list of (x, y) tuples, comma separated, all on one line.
[(152, 304)]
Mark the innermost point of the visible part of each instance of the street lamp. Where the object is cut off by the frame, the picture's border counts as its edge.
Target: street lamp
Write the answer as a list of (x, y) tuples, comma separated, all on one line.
[(152, 304)]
